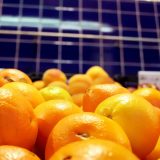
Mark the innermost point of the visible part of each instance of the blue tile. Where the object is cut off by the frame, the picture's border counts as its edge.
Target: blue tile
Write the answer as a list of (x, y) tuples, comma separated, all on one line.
[(28, 50), (148, 22), (135, 43), (90, 4), (151, 56), (11, 2), (50, 13), (71, 3), (27, 67), (156, 68), (70, 15), (111, 54), (110, 19), (28, 37), (70, 68), (8, 28), (131, 55), (113, 70), (46, 65), (6, 64), (132, 70), (90, 16), (31, 12), (149, 34), (66, 39), (70, 52), (10, 11), (91, 53), (49, 51), (158, 7), (150, 44), (130, 33), (146, 7), (129, 21), (7, 49), (128, 6), (51, 3), (29, 29), (31, 2), (8, 36), (111, 5)]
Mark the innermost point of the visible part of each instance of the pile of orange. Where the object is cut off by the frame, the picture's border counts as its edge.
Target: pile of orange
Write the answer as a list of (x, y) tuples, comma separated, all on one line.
[(82, 117)]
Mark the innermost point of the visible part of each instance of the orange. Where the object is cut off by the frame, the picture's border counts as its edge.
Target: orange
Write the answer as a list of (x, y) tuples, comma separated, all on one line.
[(97, 93), (82, 126), (13, 75), (155, 154), (54, 92), (137, 117), (93, 149), (95, 72), (150, 94), (48, 114), (78, 99), (60, 84), (53, 74), (18, 124), (8, 152), (28, 90), (39, 84)]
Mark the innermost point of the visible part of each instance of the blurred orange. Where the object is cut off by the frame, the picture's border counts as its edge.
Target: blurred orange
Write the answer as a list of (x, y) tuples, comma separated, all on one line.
[(55, 92), (83, 126), (78, 99), (93, 149), (150, 94), (138, 118), (8, 152), (97, 93), (59, 84), (53, 74), (13, 75), (48, 114), (39, 84), (29, 92), (18, 124)]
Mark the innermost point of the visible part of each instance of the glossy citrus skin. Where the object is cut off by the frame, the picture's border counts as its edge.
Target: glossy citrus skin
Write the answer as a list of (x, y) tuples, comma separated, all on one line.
[(82, 126), (54, 92), (13, 75), (8, 152), (93, 149), (52, 75), (39, 84), (97, 93), (29, 92), (48, 114), (18, 124), (150, 94), (137, 117)]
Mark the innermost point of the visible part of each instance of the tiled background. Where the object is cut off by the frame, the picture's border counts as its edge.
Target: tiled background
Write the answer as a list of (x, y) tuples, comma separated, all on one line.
[(120, 35)]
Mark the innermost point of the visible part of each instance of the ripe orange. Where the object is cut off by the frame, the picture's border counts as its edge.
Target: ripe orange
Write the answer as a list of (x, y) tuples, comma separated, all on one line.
[(82, 126), (13, 75), (137, 117), (53, 74), (59, 84), (28, 90), (18, 124), (150, 94), (97, 93), (39, 84), (54, 92), (48, 114), (93, 149), (78, 99), (8, 152)]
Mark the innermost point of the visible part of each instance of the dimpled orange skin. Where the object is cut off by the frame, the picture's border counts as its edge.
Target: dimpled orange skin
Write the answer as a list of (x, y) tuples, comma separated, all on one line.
[(137, 117), (93, 149), (150, 94), (8, 152), (53, 74), (13, 75), (18, 124), (48, 114), (82, 126), (29, 92), (97, 93)]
